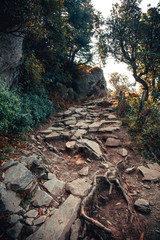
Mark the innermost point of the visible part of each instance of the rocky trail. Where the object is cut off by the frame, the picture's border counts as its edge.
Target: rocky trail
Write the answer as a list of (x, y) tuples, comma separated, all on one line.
[(83, 180)]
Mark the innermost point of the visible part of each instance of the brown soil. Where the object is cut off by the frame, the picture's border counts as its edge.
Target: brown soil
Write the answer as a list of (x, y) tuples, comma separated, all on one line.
[(112, 210)]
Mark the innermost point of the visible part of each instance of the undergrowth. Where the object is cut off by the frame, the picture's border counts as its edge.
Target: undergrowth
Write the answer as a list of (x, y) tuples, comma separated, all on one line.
[(144, 125)]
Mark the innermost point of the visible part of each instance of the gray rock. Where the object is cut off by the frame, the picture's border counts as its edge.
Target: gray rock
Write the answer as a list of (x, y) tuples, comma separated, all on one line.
[(59, 224), (82, 124), (9, 163), (39, 220), (11, 55), (9, 200), (67, 113), (19, 177), (112, 142), (130, 170), (123, 152), (154, 166), (31, 214), (65, 135), (29, 221), (41, 198), (111, 116), (109, 129), (47, 131), (149, 174), (142, 205), (91, 147), (51, 176), (71, 144), (15, 218), (55, 186), (57, 129), (31, 160), (79, 187), (53, 136), (79, 133), (15, 231), (97, 125), (84, 171), (75, 228), (70, 122), (79, 110)]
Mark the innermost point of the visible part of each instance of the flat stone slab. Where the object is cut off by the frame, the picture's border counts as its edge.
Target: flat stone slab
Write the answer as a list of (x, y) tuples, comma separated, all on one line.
[(91, 147), (47, 131), (19, 177), (53, 136), (41, 198), (59, 224), (97, 124), (55, 186), (9, 200), (112, 142), (79, 133), (79, 187), (109, 129), (149, 174), (142, 205), (84, 171)]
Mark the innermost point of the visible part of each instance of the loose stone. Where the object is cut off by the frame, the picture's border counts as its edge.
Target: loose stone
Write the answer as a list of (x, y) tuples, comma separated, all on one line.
[(142, 205)]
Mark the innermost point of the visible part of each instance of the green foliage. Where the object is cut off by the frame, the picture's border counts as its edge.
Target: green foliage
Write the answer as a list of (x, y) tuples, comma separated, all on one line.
[(133, 38), (40, 107), (145, 126), (13, 119), (19, 114)]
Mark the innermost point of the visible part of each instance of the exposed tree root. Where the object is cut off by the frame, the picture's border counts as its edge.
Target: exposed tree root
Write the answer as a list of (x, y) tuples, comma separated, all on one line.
[(111, 178)]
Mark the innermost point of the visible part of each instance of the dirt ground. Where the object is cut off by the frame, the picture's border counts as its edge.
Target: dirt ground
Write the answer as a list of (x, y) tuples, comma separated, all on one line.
[(110, 210)]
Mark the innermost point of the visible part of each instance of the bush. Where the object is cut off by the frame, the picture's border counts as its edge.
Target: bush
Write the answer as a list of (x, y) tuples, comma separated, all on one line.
[(12, 117), (144, 126), (19, 114), (40, 107)]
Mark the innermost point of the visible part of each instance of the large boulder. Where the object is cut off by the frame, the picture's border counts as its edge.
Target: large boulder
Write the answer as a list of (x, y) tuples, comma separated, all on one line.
[(10, 56), (90, 84)]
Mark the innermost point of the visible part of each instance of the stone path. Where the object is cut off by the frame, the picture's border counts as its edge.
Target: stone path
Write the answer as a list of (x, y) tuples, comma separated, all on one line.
[(41, 194)]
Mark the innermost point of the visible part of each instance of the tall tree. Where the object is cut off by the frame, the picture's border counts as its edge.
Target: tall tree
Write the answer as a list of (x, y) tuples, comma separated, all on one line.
[(126, 39)]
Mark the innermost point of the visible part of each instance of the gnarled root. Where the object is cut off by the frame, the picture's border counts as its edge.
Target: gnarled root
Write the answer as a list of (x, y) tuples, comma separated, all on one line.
[(114, 233)]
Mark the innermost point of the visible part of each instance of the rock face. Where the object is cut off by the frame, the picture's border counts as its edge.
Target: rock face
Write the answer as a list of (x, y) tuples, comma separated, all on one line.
[(60, 222), (11, 54), (92, 83)]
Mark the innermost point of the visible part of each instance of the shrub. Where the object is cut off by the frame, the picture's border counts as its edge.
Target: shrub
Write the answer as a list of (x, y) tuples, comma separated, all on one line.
[(12, 117), (144, 126), (19, 114), (40, 107)]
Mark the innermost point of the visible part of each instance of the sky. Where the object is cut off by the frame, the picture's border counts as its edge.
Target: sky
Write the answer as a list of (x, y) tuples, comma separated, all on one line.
[(104, 6)]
